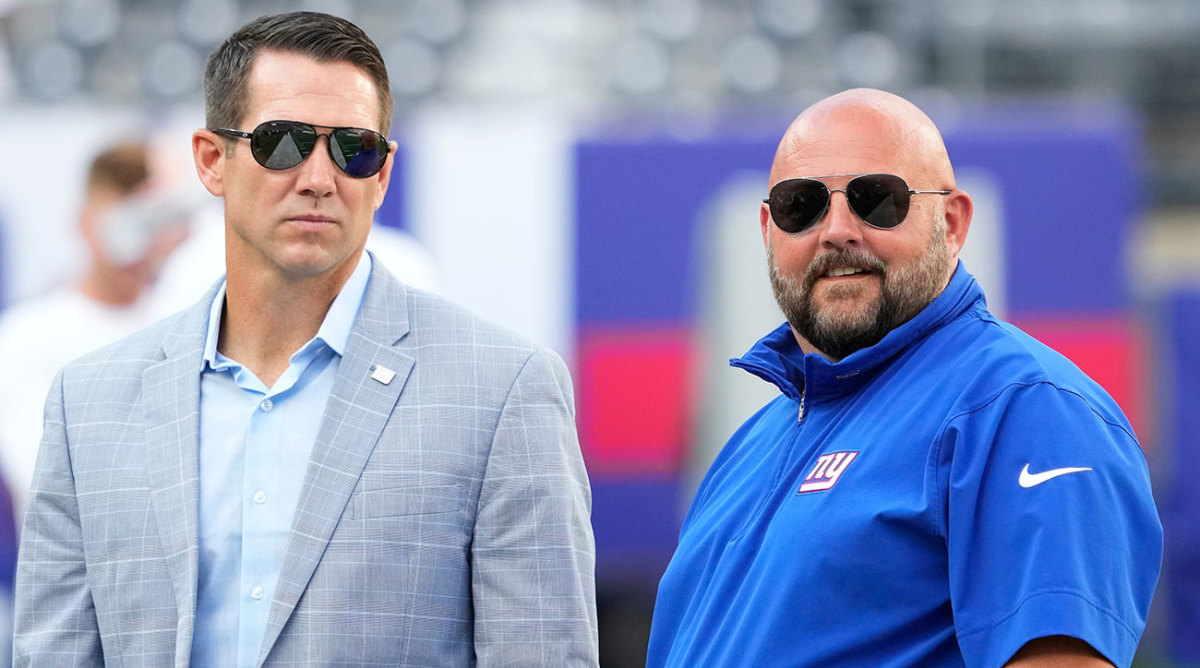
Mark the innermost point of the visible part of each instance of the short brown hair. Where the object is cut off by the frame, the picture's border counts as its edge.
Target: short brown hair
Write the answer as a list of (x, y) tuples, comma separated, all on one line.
[(323, 37), (120, 168)]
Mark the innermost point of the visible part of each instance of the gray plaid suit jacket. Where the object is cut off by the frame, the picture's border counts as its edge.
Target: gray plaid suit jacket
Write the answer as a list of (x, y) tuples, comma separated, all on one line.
[(443, 520)]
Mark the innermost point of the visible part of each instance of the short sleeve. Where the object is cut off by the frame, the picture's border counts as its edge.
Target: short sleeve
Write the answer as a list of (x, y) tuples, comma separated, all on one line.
[(1050, 527)]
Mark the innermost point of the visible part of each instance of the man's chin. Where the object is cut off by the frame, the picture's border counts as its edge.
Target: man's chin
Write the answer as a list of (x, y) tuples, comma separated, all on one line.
[(843, 308), (847, 316), (843, 330)]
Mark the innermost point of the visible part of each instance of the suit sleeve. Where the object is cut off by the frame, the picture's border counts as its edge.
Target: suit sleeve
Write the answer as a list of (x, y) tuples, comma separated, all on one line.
[(533, 554), (55, 621)]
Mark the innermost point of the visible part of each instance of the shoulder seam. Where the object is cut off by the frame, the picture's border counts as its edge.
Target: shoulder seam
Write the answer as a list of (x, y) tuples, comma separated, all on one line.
[(1026, 384)]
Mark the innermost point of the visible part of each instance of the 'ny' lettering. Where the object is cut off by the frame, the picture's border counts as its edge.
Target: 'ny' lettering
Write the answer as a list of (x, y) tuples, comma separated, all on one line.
[(825, 473)]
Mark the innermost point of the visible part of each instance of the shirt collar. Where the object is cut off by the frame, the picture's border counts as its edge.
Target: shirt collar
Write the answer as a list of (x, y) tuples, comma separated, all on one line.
[(335, 329)]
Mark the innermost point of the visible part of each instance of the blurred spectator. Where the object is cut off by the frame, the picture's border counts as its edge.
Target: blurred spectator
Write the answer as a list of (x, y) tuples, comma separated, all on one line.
[(130, 228)]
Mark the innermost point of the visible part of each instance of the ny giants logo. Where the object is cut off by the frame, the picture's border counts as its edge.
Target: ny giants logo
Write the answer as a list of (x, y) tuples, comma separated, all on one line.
[(828, 469)]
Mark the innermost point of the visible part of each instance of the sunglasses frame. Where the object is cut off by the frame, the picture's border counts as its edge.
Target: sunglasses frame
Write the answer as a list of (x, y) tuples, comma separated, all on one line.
[(242, 134), (829, 198)]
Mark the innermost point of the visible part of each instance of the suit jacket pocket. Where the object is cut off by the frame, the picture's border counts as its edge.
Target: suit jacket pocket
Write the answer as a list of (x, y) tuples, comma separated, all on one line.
[(401, 501)]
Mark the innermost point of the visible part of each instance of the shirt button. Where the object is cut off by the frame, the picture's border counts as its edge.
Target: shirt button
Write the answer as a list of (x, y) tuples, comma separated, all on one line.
[(260, 497), (266, 405), (256, 593)]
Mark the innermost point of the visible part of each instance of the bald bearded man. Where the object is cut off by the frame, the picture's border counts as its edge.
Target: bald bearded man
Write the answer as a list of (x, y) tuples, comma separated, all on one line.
[(932, 486)]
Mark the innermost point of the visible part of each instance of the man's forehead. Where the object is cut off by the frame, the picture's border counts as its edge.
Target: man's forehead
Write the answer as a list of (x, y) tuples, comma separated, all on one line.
[(285, 78), (276, 66), (851, 139), (841, 155)]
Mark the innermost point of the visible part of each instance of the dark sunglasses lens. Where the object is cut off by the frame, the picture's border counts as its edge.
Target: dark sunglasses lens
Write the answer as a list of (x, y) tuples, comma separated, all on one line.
[(796, 204), (360, 153), (282, 145), (879, 199)]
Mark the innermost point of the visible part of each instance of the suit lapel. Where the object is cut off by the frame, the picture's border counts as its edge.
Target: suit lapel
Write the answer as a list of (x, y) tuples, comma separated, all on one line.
[(358, 408), (171, 401)]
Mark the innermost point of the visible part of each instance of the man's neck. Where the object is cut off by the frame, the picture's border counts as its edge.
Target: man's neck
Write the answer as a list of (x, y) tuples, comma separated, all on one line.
[(265, 322)]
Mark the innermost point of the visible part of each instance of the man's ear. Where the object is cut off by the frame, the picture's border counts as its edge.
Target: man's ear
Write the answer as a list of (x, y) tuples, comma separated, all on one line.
[(208, 151), (959, 209), (764, 221)]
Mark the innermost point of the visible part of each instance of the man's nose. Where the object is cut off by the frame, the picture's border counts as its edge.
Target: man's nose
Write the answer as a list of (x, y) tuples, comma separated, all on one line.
[(318, 174), (841, 226)]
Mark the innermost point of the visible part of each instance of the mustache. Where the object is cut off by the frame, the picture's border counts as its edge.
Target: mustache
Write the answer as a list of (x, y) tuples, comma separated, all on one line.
[(840, 258)]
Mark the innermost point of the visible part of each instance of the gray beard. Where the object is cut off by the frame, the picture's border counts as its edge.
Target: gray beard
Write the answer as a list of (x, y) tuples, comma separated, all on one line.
[(906, 291)]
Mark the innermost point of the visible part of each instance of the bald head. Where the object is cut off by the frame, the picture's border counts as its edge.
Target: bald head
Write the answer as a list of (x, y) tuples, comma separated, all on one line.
[(894, 272), (864, 130)]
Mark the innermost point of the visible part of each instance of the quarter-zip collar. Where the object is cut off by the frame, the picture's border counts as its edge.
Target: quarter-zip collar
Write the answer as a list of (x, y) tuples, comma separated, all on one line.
[(778, 359)]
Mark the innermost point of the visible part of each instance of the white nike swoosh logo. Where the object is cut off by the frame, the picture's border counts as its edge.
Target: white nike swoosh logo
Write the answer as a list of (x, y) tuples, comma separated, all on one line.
[(1028, 479)]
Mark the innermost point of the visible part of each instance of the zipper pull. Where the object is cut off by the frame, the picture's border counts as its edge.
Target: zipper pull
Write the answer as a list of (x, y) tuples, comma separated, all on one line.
[(800, 418)]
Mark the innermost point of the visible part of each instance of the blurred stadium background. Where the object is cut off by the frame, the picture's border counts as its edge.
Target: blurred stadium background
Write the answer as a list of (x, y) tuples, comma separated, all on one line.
[(588, 172)]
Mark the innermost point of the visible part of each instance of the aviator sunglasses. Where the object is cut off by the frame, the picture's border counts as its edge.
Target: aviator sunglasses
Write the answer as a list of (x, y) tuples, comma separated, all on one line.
[(284, 144), (880, 200)]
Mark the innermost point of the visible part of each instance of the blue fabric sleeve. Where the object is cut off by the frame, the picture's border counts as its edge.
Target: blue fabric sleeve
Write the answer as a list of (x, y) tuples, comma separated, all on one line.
[(1076, 554)]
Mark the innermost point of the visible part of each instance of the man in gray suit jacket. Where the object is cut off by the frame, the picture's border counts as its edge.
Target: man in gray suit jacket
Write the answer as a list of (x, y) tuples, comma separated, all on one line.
[(315, 465)]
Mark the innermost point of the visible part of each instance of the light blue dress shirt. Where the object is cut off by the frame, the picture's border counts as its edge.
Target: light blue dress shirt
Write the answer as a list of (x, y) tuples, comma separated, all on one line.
[(255, 444)]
